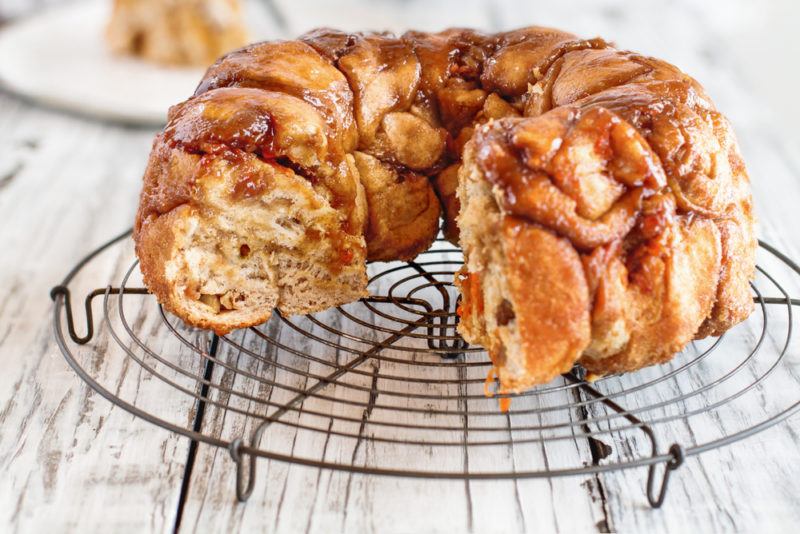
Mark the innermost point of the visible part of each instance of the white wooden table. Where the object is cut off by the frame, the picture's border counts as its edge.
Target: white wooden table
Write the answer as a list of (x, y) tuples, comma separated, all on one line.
[(69, 460)]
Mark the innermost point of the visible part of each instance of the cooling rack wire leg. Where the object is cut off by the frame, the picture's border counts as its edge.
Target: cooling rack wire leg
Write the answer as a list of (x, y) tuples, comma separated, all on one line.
[(244, 487), (673, 463), (577, 376), (63, 291)]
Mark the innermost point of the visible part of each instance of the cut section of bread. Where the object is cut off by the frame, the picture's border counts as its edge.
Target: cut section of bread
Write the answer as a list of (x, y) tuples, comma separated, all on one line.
[(272, 218), (242, 248)]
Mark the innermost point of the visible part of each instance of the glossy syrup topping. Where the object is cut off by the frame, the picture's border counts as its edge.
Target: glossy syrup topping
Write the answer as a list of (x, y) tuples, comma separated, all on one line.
[(229, 118)]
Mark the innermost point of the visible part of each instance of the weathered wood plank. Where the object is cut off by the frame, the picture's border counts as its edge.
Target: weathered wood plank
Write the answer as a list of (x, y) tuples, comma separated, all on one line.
[(70, 461)]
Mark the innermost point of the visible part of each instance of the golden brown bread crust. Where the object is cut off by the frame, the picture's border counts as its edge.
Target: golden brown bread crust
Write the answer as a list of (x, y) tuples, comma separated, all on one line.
[(645, 181), (605, 211), (547, 285)]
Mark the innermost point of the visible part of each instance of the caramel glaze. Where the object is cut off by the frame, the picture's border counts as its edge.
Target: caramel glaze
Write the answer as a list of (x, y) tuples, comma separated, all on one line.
[(612, 148), (530, 176), (223, 121)]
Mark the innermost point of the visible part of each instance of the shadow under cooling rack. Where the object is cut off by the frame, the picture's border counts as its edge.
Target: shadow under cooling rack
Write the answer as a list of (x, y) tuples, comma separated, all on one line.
[(386, 386)]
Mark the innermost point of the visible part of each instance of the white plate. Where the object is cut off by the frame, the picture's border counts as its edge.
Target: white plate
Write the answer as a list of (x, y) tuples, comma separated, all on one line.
[(60, 58)]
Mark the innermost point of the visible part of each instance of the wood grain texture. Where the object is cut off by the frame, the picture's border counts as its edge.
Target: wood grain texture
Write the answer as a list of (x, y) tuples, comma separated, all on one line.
[(71, 461), (67, 455)]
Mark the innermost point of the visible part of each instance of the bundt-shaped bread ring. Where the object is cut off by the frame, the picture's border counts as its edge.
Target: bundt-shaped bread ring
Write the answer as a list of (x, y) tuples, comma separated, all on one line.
[(600, 199)]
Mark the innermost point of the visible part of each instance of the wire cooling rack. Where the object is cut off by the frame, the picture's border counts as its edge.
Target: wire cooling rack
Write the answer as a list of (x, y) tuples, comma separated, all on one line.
[(386, 387)]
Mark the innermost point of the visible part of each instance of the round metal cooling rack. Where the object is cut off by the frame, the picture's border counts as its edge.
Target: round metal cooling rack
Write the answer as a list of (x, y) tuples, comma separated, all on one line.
[(381, 386)]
